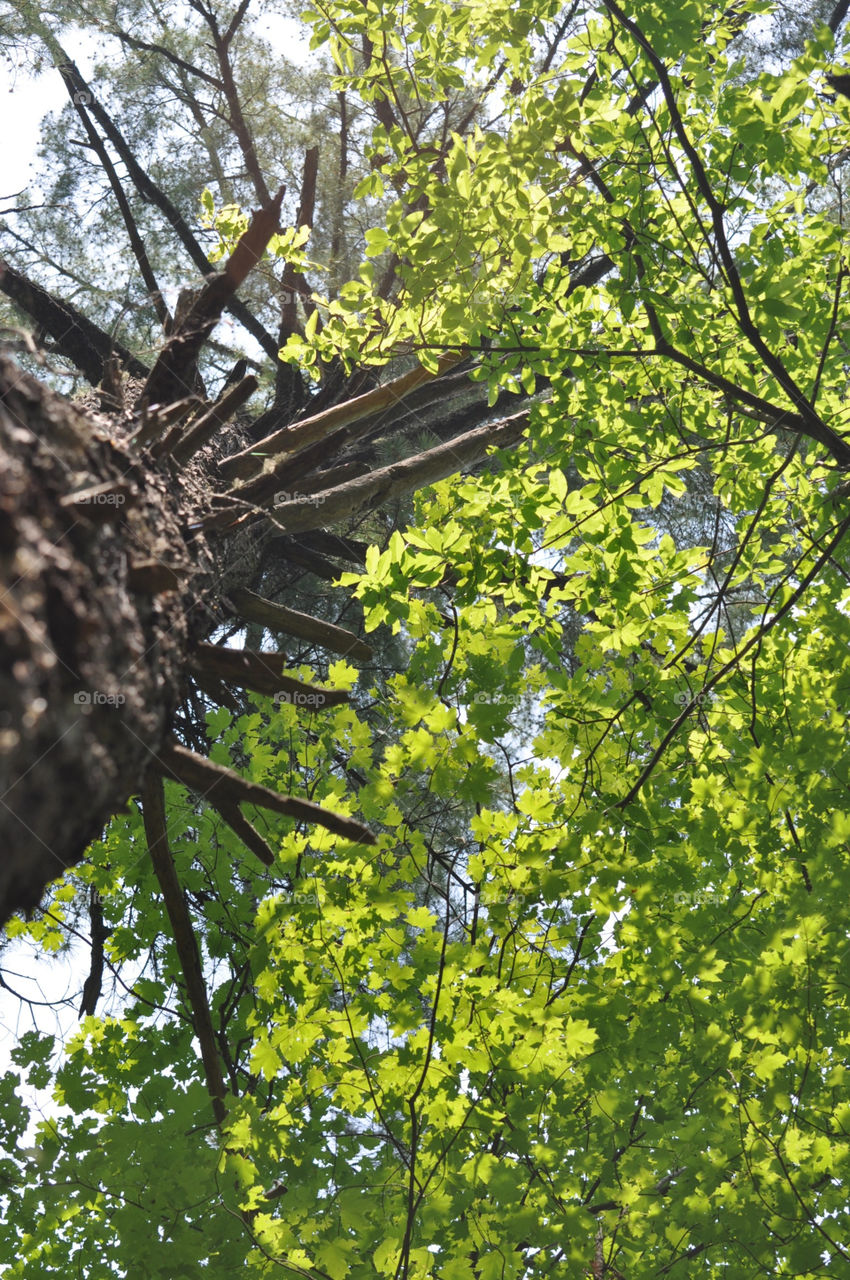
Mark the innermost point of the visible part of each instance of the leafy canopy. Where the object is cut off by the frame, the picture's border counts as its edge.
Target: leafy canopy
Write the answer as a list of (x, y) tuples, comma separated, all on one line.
[(606, 1026)]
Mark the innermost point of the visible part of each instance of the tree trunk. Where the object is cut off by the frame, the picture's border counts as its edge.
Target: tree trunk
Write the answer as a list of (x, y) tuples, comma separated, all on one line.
[(102, 590), (121, 543)]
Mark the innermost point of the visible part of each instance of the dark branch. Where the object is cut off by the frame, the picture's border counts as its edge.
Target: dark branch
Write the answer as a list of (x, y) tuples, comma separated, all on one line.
[(219, 785), (153, 810), (262, 672), (76, 338), (278, 618)]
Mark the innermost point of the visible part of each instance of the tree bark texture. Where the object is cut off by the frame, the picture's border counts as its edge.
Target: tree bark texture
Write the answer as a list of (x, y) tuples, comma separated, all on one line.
[(92, 648)]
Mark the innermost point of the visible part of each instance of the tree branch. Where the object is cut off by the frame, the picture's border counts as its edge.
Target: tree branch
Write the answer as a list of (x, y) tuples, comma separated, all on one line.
[(79, 340), (145, 47), (262, 672), (368, 492), (219, 786), (153, 194), (153, 810), (136, 242), (222, 411), (295, 437), (168, 378), (277, 617)]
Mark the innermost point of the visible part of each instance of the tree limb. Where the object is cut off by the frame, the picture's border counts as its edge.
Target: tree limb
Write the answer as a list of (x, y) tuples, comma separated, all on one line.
[(277, 617), (219, 785), (222, 411), (168, 378), (295, 437), (262, 672), (365, 493), (136, 242), (154, 195), (86, 345), (153, 810)]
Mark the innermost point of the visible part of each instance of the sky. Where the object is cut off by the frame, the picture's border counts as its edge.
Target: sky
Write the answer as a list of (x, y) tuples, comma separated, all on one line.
[(25, 97), (24, 101)]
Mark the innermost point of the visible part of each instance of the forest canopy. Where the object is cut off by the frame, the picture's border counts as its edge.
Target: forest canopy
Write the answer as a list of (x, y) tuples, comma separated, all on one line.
[(581, 1007)]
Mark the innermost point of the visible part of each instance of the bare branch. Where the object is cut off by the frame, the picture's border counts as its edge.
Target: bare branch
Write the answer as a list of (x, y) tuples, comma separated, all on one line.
[(368, 492), (76, 337), (219, 785), (153, 809), (222, 411), (289, 439), (136, 242), (262, 672), (277, 617), (154, 195), (247, 833), (169, 375)]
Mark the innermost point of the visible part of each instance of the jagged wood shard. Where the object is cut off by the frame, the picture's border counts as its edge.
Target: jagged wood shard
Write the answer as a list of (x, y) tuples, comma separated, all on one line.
[(168, 378), (263, 673), (222, 786), (290, 439), (277, 617), (201, 431)]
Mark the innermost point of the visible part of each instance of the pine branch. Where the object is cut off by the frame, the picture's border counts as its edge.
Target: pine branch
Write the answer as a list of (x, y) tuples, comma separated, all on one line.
[(289, 439), (222, 411), (168, 378), (153, 194), (365, 493), (78, 339)]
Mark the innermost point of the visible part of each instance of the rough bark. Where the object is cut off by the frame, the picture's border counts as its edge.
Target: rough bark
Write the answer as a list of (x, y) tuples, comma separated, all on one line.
[(91, 664)]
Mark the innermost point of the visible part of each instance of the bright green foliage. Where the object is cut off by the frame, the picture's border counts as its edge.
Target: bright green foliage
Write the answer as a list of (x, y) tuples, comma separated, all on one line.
[(608, 1024)]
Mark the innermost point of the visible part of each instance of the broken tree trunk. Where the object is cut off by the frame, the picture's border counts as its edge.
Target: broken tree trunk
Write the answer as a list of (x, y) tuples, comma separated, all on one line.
[(91, 662), (123, 547)]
